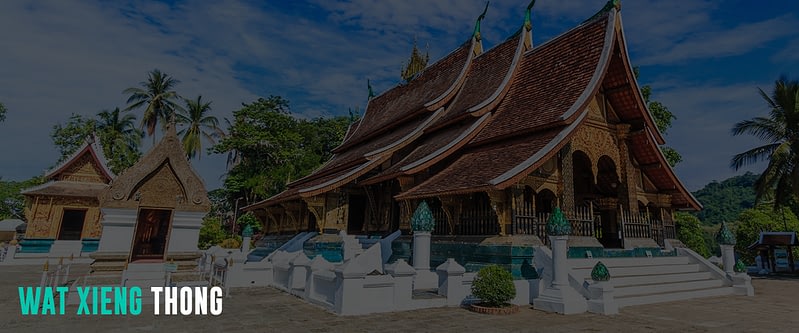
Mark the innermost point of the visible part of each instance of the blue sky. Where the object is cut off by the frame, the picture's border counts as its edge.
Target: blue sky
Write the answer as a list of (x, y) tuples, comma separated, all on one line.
[(703, 59)]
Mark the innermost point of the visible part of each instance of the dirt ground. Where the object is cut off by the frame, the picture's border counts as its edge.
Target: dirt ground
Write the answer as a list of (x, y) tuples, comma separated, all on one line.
[(774, 308)]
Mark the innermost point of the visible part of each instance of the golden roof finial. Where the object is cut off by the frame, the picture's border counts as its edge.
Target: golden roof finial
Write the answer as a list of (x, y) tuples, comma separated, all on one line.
[(46, 266), (416, 63)]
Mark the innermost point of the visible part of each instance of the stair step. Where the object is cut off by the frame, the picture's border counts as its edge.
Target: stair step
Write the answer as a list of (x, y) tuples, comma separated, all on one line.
[(628, 262), (666, 287), (641, 270), (676, 296), (662, 278)]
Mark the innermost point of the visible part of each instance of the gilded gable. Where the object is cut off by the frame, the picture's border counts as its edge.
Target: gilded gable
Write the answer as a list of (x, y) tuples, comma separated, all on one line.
[(84, 169)]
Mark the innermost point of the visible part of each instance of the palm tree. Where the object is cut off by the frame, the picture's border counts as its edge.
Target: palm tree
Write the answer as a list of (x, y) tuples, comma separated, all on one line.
[(199, 125), (780, 181), (120, 138), (157, 96)]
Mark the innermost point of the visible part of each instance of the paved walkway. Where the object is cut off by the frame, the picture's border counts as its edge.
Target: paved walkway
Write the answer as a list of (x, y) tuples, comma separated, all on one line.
[(774, 308)]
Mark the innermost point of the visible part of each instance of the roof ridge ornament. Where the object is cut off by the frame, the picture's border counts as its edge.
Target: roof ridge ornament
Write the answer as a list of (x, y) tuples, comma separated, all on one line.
[(608, 6), (480, 18), (528, 24), (371, 92)]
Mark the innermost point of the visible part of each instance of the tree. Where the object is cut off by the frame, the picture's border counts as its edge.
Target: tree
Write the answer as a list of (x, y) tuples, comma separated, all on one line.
[(158, 98), (70, 136), (723, 201), (690, 233), (2, 112), (211, 232), (120, 139), (780, 181), (12, 203), (198, 124), (663, 118), (273, 147), (753, 221), (118, 136)]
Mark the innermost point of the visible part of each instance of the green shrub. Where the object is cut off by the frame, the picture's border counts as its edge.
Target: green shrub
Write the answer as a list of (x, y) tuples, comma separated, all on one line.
[(230, 243), (494, 286)]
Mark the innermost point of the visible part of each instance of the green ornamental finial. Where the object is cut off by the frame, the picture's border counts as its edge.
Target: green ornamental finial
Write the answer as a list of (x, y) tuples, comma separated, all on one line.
[(480, 19), (371, 92), (528, 24), (740, 267), (725, 236), (558, 225), (422, 219), (600, 272), (247, 232), (608, 6)]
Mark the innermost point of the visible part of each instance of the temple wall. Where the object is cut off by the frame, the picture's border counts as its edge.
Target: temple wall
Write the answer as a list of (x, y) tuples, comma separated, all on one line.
[(45, 216), (185, 231), (118, 226)]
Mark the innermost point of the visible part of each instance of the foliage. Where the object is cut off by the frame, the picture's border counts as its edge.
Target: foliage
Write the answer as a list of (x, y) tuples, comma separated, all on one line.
[(761, 218), (211, 232), (3, 112), (779, 183), (690, 233), (158, 98), (249, 219), (272, 147), (118, 136), (120, 139), (12, 203), (725, 200), (662, 117), (493, 285), (199, 125), (231, 243)]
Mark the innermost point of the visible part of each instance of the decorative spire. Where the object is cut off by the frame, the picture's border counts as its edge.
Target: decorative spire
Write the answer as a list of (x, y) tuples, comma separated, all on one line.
[(480, 18), (608, 6), (422, 219), (371, 92), (247, 232), (600, 272), (528, 24), (558, 225), (739, 267), (725, 236), (416, 63)]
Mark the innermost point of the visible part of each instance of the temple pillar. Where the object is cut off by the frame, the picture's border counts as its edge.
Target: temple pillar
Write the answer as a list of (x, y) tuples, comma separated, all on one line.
[(316, 205), (567, 175), (501, 206), (627, 195), (452, 209)]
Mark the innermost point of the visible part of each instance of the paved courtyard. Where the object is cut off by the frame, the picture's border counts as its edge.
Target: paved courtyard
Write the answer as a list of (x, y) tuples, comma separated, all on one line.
[(774, 308)]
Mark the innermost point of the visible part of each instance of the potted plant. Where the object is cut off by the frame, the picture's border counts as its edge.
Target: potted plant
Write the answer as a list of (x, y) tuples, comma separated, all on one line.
[(493, 285)]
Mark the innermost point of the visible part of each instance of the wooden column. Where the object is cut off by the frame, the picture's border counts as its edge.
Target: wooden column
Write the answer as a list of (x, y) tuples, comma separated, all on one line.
[(316, 205), (567, 175), (502, 207), (628, 177)]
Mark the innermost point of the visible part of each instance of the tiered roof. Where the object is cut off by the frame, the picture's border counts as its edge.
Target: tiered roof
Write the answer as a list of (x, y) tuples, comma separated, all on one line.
[(84, 173), (513, 109)]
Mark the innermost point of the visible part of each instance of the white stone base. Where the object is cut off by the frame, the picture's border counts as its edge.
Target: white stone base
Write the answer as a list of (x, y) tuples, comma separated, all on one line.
[(564, 301), (425, 279)]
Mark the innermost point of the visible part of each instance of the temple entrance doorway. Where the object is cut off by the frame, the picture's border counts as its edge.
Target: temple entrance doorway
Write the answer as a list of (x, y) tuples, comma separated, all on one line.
[(356, 214), (152, 232), (607, 188), (72, 224)]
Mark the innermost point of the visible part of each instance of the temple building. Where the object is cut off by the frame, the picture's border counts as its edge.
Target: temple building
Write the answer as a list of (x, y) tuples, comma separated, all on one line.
[(153, 211), (63, 214), (493, 141)]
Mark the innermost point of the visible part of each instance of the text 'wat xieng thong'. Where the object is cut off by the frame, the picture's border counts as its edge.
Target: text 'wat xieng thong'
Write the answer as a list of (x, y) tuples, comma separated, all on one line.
[(493, 141)]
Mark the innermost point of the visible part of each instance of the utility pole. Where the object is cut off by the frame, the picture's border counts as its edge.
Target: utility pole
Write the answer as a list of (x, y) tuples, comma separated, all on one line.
[(235, 216)]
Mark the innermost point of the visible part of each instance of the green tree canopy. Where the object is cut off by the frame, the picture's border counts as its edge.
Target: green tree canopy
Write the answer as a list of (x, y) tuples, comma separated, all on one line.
[(690, 232), (273, 147), (117, 134), (779, 183), (199, 125), (157, 97), (12, 203), (723, 201), (663, 117)]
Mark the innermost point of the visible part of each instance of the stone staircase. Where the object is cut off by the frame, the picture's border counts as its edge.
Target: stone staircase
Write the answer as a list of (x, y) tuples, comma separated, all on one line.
[(647, 280)]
